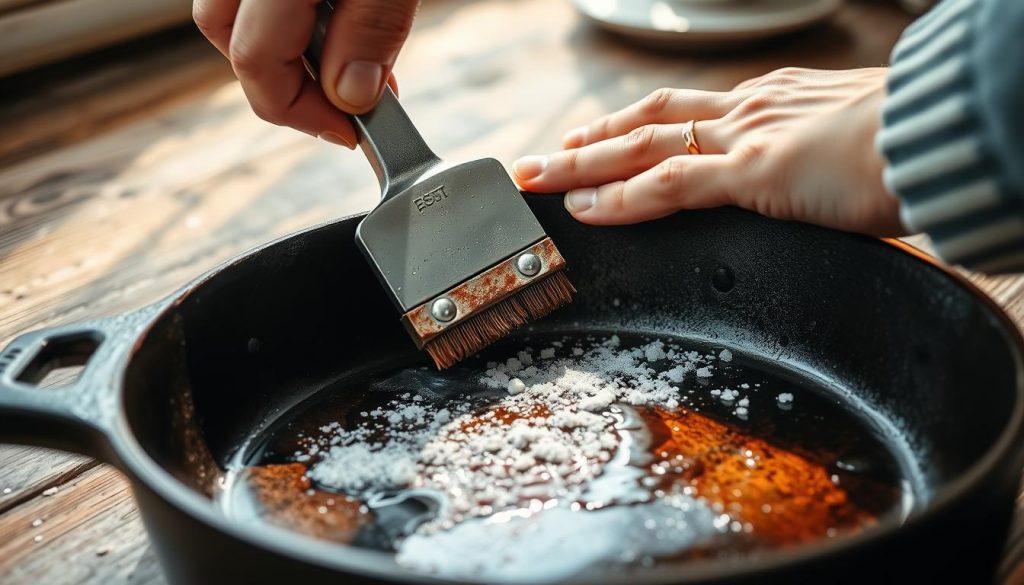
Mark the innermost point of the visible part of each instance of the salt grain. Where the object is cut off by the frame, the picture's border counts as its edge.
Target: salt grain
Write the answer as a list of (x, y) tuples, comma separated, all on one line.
[(50, 491), (516, 386), (785, 398), (725, 355)]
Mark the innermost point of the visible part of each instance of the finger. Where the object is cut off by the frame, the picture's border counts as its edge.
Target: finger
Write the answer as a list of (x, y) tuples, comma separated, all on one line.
[(215, 18), (362, 44), (266, 46), (663, 106), (610, 160), (681, 182)]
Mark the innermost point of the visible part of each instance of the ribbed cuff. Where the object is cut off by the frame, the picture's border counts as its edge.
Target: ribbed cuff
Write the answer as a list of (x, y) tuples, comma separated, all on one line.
[(939, 163)]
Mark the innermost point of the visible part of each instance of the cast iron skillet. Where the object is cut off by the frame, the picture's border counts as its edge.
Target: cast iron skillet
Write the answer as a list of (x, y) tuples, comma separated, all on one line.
[(172, 391)]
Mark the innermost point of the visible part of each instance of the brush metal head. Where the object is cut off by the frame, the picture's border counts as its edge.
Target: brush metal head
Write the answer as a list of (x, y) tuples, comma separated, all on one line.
[(463, 258)]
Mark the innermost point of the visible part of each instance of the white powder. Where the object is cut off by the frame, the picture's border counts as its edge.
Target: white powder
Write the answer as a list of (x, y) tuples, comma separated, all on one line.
[(358, 467), (597, 402), (516, 386), (654, 351), (785, 398), (551, 443), (555, 545)]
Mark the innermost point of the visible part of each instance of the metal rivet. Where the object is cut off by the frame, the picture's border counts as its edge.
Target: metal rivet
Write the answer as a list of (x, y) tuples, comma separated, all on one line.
[(528, 264), (443, 309)]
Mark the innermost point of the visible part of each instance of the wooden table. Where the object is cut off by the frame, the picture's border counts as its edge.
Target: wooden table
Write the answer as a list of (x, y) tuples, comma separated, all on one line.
[(124, 175)]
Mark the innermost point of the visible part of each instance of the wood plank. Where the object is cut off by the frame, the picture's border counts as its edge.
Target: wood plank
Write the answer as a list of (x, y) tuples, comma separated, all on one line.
[(98, 92), (87, 532), (26, 472)]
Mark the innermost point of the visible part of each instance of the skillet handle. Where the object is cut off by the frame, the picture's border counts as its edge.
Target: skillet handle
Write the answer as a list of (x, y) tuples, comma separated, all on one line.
[(77, 416), (390, 141)]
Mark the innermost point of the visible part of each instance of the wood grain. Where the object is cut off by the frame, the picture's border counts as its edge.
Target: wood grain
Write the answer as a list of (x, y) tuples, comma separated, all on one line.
[(125, 175), (87, 532)]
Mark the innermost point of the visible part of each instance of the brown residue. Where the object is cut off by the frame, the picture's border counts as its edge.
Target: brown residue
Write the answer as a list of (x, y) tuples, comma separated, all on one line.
[(781, 497), (500, 414), (286, 498)]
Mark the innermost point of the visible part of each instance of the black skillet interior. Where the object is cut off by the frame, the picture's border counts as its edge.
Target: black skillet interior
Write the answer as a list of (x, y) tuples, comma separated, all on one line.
[(268, 332)]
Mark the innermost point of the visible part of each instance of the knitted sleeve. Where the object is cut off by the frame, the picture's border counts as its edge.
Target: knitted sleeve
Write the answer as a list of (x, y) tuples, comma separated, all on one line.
[(953, 131)]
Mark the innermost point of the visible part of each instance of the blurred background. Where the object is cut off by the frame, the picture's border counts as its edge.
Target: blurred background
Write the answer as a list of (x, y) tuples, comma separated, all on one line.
[(34, 32)]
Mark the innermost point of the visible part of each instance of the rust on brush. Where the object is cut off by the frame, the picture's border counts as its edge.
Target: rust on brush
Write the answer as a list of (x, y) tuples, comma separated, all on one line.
[(490, 305), (483, 290), (469, 336)]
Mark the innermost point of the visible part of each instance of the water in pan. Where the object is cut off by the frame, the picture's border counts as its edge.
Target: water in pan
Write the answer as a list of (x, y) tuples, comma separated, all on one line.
[(550, 457)]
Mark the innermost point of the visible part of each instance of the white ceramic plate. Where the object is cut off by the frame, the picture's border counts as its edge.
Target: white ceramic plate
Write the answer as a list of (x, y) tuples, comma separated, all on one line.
[(687, 23)]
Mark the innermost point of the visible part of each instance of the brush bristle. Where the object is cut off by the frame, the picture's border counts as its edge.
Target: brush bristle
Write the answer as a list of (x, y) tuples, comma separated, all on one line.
[(529, 304)]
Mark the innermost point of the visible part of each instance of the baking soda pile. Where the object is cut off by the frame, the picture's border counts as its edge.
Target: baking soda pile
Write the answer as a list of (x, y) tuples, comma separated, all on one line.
[(547, 438), (537, 449)]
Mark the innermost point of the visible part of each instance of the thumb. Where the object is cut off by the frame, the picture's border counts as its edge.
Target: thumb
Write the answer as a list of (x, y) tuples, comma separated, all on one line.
[(362, 44), (680, 182)]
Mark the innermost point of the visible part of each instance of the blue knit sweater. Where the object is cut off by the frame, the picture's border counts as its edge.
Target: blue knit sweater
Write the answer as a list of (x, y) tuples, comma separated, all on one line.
[(953, 131)]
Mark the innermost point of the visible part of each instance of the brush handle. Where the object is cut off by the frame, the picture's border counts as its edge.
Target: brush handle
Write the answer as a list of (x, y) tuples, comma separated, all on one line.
[(390, 141)]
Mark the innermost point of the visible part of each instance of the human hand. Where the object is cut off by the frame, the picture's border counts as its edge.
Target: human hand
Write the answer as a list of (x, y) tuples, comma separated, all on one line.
[(793, 144), (265, 39)]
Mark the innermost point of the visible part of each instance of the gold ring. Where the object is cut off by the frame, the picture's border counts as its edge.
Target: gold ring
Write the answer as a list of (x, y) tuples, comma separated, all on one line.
[(690, 137)]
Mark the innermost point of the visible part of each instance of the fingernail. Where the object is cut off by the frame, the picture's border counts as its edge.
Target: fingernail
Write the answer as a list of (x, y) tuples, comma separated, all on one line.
[(334, 139), (575, 136), (531, 166), (580, 200), (360, 83)]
